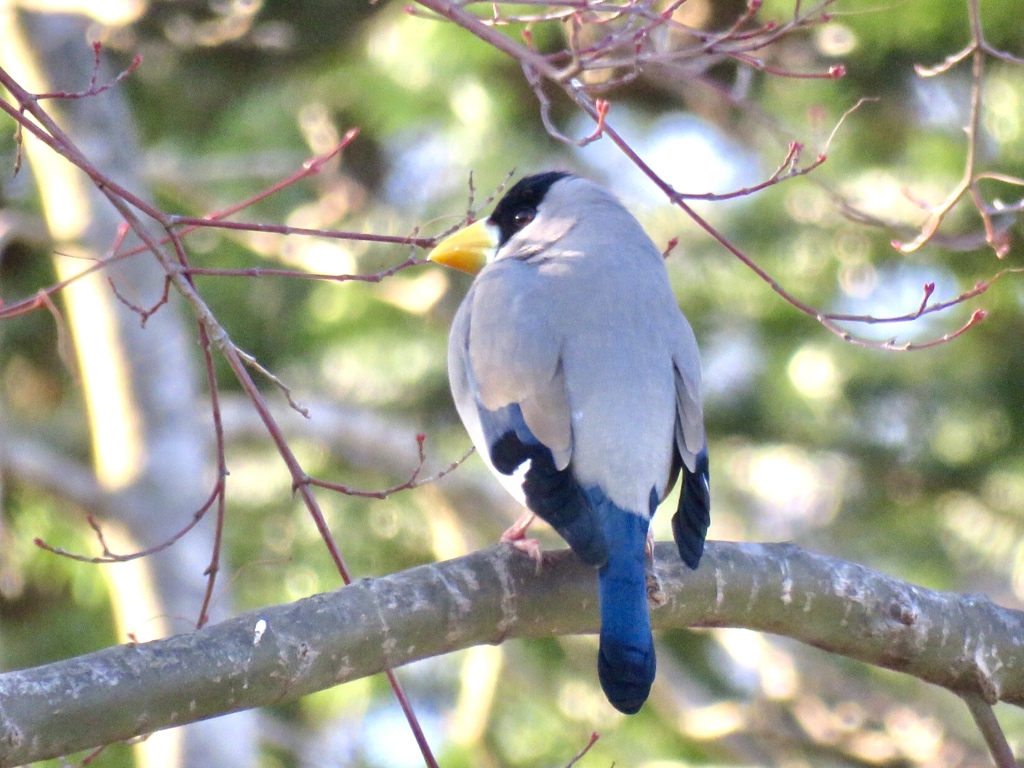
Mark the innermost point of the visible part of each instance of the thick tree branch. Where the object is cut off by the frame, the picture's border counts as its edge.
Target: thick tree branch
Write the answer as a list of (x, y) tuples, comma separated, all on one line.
[(964, 643)]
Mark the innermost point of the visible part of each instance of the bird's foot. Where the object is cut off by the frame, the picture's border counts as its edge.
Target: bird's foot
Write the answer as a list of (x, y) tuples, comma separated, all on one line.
[(517, 531), (531, 547), (516, 536), (655, 594)]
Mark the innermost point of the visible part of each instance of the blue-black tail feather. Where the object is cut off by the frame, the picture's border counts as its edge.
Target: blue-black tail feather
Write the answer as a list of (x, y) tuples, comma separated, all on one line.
[(625, 661), (552, 494), (692, 518)]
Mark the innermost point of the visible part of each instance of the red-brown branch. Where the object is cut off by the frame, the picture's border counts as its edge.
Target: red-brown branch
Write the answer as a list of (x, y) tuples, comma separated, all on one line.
[(538, 68), (174, 264), (112, 557), (414, 480)]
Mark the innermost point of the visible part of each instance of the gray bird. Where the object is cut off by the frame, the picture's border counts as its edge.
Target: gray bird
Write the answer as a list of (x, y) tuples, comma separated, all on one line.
[(578, 380)]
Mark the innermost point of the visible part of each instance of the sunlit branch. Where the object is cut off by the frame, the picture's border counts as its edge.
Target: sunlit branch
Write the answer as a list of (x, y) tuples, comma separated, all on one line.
[(492, 596)]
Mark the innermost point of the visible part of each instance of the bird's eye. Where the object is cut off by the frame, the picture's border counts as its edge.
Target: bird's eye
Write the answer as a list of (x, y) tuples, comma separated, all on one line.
[(523, 217)]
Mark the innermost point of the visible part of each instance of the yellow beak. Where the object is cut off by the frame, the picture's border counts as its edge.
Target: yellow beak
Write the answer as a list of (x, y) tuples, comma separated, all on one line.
[(468, 249)]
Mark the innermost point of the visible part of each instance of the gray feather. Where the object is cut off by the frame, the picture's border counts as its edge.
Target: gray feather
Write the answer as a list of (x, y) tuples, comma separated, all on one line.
[(583, 333)]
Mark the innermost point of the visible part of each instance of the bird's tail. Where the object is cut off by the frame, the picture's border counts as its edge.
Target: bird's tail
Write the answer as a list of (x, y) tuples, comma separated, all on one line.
[(625, 662)]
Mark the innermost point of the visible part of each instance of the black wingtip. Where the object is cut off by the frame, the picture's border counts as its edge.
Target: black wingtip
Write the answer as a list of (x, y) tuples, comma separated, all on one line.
[(692, 518), (553, 495)]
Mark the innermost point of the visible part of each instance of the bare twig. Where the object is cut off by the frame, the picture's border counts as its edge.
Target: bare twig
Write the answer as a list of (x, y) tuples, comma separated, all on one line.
[(414, 480), (376, 277), (144, 313), (987, 723), (255, 364), (222, 473), (978, 50), (174, 264), (788, 169), (579, 755), (539, 68), (112, 557), (193, 222), (94, 88), (925, 308)]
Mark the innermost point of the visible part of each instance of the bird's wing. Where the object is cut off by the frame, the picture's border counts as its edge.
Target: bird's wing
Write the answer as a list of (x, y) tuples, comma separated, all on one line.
[(693, 516), (504, 355)]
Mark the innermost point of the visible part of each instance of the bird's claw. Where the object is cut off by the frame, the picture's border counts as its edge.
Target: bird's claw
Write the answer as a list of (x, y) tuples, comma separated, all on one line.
[(516, 536), (531, 548), (517, 531), (655, 594)]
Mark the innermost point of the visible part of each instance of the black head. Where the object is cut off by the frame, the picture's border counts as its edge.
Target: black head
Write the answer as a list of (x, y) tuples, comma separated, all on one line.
[(519, 205)]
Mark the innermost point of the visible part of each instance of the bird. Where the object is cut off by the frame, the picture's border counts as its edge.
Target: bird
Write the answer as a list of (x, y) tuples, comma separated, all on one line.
[(578, 379)]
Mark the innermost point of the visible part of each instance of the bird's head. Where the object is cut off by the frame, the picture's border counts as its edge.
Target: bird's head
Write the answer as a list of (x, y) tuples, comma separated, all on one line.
[(534, 213)]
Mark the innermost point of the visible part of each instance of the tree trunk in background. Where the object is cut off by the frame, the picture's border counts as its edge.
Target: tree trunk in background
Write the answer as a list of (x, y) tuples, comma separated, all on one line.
[(151, 448)]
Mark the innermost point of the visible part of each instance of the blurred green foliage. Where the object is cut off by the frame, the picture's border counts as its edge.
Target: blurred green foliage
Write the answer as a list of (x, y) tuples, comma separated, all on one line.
[(912, 463)]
